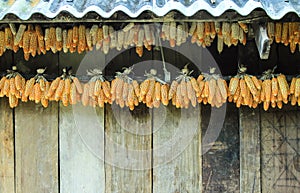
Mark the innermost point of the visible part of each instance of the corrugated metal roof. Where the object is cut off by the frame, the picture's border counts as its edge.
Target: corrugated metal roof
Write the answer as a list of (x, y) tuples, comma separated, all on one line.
[(23, 9)]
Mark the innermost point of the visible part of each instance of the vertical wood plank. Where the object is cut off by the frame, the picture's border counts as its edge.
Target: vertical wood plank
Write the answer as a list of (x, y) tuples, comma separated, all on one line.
[(127, 150), (280, 150), (221, 162), (177, 158), (36, 139), (7, 166), (81, 136), (249, 150)]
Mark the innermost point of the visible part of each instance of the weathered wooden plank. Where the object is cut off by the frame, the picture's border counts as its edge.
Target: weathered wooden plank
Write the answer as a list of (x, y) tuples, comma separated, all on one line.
[(36, 142), (81, 136), (280, 144), (7, 166), (249, 150), (127, 150), (221, 161), (177, 158)]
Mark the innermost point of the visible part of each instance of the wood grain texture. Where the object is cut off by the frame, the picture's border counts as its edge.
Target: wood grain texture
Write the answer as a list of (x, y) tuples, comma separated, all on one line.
[(7, 166), (81, 136), (127, 150), (249, 150), (36, 139), (177, 158), (280, 150), (221, 164)]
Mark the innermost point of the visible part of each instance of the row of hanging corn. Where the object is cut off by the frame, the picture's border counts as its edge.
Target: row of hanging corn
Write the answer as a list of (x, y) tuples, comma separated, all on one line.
[(208, 88), (33, 39)]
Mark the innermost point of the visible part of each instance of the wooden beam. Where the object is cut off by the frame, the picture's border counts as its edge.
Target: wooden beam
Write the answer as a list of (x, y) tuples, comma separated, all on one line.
[(7, 165), (249, 150)]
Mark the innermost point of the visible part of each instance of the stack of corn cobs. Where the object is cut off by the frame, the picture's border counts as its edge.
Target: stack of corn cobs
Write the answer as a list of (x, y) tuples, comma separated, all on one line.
[(271, 90)]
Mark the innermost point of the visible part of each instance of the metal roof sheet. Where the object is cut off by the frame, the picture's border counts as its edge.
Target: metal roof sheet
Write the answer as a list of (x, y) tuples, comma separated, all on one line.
[(23, 9)]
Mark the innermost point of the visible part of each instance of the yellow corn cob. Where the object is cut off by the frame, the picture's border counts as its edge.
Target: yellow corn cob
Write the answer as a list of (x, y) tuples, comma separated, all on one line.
[(130, 97), (75, 36), (136, 87), (164, 94), (8, 38), (97, 88), (125, 91), (59, 90), (85, 95), (256, 82), (119, 89), (200, 30), (150, 93), (233, 85), (144, 87), (37, 93), (157, 92), (222, 85), (267, 84), (284, 35), (274, 86), (33, 44), (297, 87), (173, 89), (81, 38), (92, 88), (250, 85), (278, 32), (220, 44), (39, 32), (69, 42), (78, 85), (244, 26), (235, 31), (73, 94), (29, 86), (271, 30), (212, 90), (293, 85), (18, 82), (283, 86), (12, 86), (99, 38)]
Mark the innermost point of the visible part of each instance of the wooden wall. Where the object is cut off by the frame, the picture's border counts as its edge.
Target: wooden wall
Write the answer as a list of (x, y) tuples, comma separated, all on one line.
[(61, 149)]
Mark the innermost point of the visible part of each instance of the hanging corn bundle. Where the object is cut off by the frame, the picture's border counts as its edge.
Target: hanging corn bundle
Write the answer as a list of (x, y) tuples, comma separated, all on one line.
[(125, 91), (36, 89), (153, 90), (275, 90), (244, 89), (35, 40), (212, 89), (287, 33), (97, 90), (295, 91), (65, 88), (184, 89), (12, 85)]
